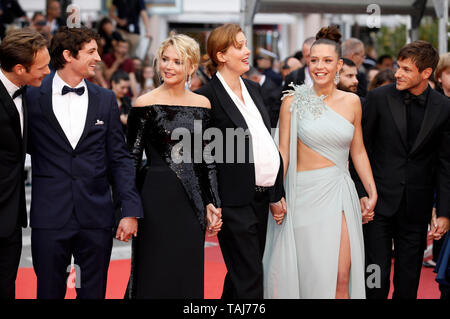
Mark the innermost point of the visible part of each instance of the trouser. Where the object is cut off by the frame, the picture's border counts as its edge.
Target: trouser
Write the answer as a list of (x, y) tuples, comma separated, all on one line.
[(10, 250), (409, 244), (242, 241), (52, 250)]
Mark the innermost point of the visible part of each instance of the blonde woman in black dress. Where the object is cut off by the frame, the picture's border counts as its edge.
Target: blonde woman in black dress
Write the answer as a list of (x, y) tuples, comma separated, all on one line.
[(179, 194)]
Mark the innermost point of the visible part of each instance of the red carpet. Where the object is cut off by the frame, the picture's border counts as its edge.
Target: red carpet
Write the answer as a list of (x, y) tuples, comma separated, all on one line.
[(214, 274)]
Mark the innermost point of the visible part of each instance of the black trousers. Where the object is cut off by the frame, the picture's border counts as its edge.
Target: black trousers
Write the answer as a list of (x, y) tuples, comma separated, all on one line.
[(242, 240), (10, 250), (409, 244), (52, 250)]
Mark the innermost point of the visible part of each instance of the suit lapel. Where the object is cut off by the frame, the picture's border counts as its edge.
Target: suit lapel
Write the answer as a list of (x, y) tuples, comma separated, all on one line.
[(398, 109), (432, 112), (91, 112), (25, 125), (46, 104), (11, 110), (227, 104), (257, 99)]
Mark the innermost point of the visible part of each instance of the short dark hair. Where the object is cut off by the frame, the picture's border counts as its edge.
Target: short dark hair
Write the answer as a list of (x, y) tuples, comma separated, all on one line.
[(381, 77), (383, 57), (36, 14), (421, 53), (298, 55), (71, 39), (348, 62), (20, 47), (120, 75)]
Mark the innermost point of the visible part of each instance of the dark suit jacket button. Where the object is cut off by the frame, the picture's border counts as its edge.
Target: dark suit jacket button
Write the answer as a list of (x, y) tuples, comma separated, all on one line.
[(74, 155)]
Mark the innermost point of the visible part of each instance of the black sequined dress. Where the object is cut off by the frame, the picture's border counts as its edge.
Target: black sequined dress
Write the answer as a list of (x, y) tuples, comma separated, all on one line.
[(176, 184)]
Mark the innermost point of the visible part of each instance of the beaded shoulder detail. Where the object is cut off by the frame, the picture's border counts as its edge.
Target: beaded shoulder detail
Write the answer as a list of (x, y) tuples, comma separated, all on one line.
[(305, 101)]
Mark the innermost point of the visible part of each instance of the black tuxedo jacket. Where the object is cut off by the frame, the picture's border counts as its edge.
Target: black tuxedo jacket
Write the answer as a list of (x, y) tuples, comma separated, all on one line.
[(416, 173), (297, 76), (67, 180), (237, 180), (271, 93), (362, 84), (12, 159)]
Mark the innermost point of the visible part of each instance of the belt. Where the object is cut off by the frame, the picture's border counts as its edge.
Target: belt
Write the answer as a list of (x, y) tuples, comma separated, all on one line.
[(261, 189)]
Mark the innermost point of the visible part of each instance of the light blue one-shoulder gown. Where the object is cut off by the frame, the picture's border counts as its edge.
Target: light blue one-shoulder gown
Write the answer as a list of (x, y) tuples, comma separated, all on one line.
[(301, 254)]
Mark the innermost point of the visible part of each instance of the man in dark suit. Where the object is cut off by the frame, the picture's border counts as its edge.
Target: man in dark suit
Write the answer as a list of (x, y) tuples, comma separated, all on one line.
[(75, 139), (301, 76), (24, 60), (353, 49), (406, 129), (270, 92)]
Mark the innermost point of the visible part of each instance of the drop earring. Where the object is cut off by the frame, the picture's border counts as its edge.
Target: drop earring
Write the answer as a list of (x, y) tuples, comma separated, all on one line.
[(189, 81), (336, 78)]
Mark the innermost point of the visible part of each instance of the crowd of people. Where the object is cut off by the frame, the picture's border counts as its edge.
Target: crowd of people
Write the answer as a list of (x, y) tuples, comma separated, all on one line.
[(359, 159)]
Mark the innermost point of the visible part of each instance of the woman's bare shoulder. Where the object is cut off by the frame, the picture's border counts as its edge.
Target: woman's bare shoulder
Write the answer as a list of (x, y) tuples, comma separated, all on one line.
[(350, 98), (199, 100), (147, 98)]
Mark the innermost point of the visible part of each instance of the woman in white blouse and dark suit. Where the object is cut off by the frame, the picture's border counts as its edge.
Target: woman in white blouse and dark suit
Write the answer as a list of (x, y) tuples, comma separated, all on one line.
[(251, 182)]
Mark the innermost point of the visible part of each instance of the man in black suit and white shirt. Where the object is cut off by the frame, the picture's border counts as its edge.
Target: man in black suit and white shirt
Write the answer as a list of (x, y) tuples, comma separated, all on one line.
[(406, 129), (270, 93), (301, 76), (24, 61)]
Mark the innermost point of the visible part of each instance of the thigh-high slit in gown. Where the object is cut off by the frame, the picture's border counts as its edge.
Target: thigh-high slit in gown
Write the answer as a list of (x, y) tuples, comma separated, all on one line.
[(302, 254)]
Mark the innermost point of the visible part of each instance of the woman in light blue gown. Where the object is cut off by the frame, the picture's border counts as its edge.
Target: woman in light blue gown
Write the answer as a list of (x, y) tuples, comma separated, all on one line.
[(318, 251)]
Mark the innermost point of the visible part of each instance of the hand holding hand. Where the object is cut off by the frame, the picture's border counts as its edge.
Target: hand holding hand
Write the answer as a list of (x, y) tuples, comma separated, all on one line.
[(439, 226), (214, 220), (367, 207), (127, 228), (278, 210)]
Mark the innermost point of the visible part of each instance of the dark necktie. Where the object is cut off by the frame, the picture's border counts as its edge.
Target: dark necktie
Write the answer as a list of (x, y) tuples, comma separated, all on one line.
[(66, 89), (19, 92), (415, 110), (419, 99)]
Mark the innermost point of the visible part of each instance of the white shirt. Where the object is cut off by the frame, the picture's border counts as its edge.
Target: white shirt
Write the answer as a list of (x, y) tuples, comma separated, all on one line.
[(53, 26), (12, 88), (70, 109), (265, 153), (262, 80)]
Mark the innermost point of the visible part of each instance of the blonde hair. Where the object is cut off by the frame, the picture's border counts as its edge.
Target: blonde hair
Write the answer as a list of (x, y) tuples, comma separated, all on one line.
[(444, 63), (186, 47)]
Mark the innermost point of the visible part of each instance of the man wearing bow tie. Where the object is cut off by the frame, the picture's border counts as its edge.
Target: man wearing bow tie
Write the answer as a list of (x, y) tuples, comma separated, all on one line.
[(24, 61), (406, 129), (75, 139)]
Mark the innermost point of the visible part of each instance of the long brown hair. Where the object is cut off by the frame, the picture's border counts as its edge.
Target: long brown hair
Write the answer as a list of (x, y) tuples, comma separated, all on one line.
[(220, 39)]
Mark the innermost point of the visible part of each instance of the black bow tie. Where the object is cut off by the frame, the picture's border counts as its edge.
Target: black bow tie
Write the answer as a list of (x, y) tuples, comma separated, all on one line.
[(419, 99), (19, 92), (66, 89)]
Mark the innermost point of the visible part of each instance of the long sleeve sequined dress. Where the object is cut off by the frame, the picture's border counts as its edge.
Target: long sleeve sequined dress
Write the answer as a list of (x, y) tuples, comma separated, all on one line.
[(176, 184)]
